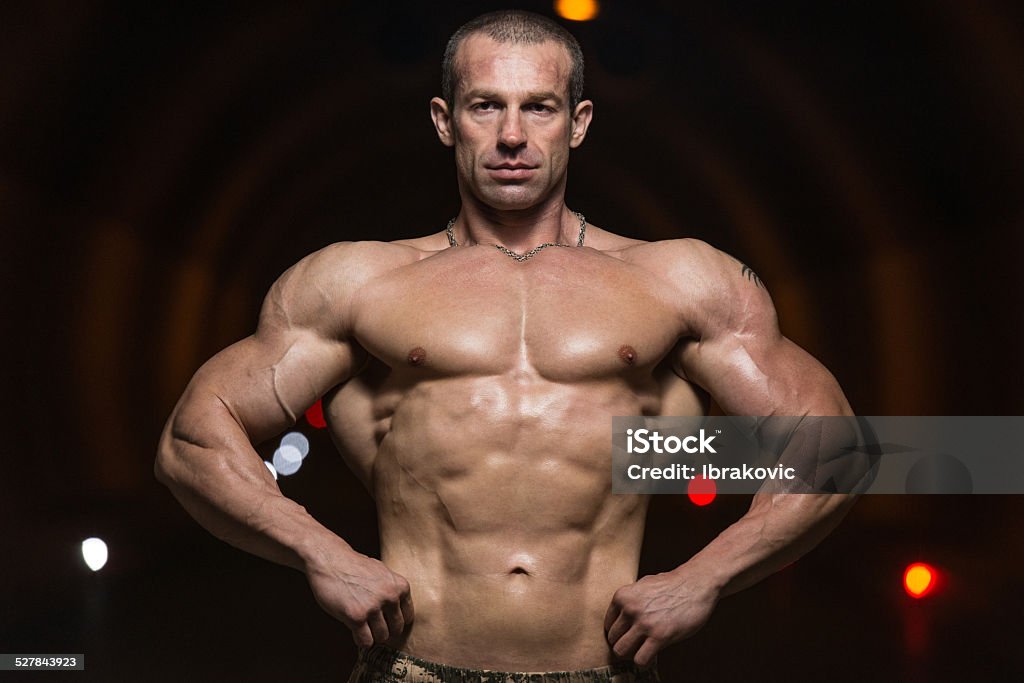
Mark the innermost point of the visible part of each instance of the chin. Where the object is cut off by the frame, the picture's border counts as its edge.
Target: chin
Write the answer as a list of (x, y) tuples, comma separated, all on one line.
[(516, 200)]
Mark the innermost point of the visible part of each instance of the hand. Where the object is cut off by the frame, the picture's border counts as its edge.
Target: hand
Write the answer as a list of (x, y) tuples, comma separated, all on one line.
[(366, 596), (656, 611)]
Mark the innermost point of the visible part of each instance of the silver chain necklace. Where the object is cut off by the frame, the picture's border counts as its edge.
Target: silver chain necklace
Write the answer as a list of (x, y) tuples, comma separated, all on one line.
[(450, 231)]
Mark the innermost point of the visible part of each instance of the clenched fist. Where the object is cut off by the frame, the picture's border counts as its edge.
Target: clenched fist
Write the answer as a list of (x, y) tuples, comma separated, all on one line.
[(656, 611), (373, 601)]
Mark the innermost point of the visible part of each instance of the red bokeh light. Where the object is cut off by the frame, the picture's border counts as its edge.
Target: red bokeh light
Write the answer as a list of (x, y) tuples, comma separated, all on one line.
[(315, 415), (701, 490)]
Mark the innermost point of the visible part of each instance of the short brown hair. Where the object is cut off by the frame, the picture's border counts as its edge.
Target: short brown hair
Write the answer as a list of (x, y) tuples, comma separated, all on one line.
[(518, 27)]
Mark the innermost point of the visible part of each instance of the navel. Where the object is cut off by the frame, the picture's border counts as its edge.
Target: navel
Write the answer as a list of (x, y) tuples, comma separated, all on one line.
[(417, 356), (628, 354)]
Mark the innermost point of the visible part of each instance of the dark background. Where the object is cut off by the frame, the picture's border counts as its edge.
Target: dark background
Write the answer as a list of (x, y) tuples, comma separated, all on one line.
[(162, 164)]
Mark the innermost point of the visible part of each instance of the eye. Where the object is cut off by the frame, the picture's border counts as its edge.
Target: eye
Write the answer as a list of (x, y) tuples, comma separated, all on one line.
[(484, 106), (538, 107)]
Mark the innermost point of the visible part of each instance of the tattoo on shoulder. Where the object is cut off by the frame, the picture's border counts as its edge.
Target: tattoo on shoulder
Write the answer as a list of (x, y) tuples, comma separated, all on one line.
[(745, 271)]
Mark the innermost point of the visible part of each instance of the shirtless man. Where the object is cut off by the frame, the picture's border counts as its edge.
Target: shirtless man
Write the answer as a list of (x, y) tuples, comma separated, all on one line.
[(471, 391)]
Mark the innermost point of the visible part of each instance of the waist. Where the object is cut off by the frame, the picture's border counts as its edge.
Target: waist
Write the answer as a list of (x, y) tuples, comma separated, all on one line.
[(513, 606), (400, 666)]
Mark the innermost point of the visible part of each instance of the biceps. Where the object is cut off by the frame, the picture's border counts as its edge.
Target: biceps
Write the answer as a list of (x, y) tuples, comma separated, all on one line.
[(266, 382), (767, 375)]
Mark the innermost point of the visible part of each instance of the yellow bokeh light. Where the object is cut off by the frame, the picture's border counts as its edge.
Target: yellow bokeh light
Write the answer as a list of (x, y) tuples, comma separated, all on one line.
[(577, 10), (918, 579)]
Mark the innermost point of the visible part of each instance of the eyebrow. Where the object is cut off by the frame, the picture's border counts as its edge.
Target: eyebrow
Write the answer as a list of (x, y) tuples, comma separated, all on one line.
[(538, 96)]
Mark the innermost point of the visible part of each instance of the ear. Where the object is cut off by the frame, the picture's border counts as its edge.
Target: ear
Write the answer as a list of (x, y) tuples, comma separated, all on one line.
[(580, 123), (442, 121)]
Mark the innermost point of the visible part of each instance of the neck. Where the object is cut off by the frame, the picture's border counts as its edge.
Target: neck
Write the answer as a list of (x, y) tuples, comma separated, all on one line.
[(519, 230)]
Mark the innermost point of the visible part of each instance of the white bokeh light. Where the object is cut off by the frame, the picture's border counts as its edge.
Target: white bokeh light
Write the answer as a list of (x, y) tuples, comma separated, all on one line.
[(287, 460), (298, 440), (94, 552), (271, 468)]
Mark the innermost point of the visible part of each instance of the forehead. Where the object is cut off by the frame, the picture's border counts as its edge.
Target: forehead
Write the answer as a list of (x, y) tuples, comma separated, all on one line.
[(485, 64)]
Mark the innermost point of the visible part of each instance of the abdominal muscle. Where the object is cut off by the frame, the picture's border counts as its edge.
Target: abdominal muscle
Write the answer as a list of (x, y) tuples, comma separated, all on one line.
[(495, 503), (512, 620)]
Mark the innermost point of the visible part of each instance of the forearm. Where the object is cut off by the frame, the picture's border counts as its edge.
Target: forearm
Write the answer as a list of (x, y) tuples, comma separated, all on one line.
[(781, 526), (776, 531), (214, 472)]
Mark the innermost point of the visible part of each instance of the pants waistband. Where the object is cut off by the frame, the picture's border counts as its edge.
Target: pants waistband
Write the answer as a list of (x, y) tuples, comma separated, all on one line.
[(384, 665)]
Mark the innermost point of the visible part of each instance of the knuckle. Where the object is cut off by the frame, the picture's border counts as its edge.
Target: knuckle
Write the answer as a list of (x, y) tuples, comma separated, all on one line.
[(664, 633), (358, 616), (647, 622)]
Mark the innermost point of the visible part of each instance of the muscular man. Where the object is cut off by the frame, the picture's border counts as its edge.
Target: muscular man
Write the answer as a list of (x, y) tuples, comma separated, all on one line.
[(469, 377)]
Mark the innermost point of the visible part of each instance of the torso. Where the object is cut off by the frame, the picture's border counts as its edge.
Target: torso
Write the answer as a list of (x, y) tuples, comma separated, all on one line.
[(482, 426)]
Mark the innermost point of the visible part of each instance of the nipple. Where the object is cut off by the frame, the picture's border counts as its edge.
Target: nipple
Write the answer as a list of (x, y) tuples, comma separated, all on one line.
[(417, 356), (628, 354)]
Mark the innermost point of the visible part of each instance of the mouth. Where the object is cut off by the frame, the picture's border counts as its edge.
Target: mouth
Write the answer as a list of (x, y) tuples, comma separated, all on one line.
[(511, 171)]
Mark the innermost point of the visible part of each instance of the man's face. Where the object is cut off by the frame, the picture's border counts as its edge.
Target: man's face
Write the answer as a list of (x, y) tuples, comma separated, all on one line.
[(510, 124)]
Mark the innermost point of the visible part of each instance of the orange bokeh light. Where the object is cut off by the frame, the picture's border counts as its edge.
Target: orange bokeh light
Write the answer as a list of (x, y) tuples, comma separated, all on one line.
[(919, 579), (577, 10)]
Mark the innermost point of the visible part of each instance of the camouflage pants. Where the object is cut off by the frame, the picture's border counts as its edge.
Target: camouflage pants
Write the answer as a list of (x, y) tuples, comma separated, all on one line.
[(382, 665)]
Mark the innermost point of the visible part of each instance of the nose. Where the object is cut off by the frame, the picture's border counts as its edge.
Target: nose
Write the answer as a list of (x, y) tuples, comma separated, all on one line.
[(511, 134)]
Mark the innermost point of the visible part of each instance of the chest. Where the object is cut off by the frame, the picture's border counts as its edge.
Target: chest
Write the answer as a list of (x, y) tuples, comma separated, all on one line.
[(566, 314)]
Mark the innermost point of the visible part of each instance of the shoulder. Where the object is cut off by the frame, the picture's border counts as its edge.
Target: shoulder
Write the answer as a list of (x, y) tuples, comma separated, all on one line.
[(677, 256), (712, 288), (680, 263), (348, 265), (609, 242), (321, 286), (427, 244)]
